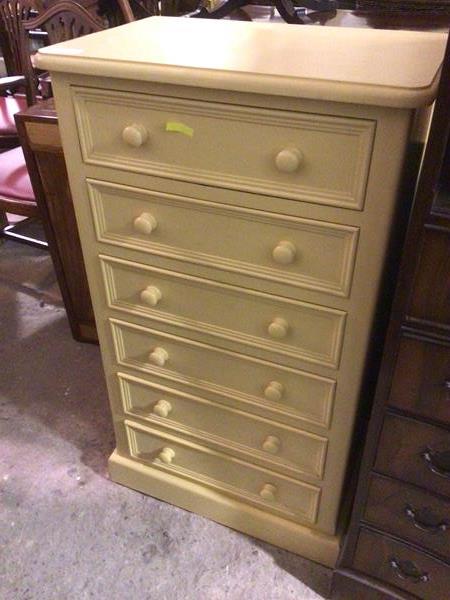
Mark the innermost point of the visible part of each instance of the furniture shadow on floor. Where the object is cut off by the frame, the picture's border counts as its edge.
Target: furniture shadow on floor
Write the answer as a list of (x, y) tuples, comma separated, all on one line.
[(46, 374)]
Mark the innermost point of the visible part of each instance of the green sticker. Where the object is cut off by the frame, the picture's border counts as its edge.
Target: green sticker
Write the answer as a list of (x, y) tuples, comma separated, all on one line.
[(179, 128)]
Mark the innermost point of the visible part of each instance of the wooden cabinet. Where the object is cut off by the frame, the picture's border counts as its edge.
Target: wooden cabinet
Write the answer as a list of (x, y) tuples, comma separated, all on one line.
[(398, 543), (235, 217)]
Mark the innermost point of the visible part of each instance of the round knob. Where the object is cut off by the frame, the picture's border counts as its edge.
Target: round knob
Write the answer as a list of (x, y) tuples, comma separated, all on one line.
[(284, 253), (274, 391), (166, 455), (145, 223), (135, 135), (162, 408), (268, 492), (158, 357), (288, 160), (271, 444), (151, 295), (279, 328)]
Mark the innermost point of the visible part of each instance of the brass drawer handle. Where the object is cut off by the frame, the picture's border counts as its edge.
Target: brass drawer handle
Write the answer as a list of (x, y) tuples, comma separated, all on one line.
[(405, 569), (419, 522), (438, 462)]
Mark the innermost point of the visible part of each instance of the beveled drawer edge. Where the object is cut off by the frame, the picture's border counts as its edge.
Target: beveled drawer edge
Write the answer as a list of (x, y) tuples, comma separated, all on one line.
[(349, 233), (338, 316), (273, 462), (353, 199), (218, 390), (315, 492)]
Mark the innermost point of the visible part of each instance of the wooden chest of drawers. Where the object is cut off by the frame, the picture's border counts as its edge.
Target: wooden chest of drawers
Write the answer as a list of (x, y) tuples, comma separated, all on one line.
[(398, 545), (235, 222)]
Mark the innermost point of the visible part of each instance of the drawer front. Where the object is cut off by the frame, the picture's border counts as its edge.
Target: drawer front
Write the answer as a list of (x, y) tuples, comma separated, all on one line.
[(260, 487), (314, 158), (297, 252), (285, 328), (399, 565), (421, 383), (280, 447), (430, 298), (410, 513), (279, 393), (416, 453)]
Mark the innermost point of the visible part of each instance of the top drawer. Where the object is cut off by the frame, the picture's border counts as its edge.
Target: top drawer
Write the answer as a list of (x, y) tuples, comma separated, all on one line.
[(313, 158)]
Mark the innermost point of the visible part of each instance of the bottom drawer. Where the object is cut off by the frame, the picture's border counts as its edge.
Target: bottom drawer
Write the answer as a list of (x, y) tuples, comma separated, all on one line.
[(254, 485), (400, 565)]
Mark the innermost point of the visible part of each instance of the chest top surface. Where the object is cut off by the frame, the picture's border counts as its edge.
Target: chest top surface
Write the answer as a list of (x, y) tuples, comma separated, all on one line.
[(381, 67)]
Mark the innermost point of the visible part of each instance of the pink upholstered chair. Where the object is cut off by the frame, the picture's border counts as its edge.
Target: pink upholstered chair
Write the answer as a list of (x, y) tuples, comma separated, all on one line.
[(16, 195)]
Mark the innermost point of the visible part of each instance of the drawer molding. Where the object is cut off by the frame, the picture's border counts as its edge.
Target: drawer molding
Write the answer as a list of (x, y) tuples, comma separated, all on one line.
[(317, 446), (281, 412), (309, 514), (344, 236), (356, 135), (332, 320)]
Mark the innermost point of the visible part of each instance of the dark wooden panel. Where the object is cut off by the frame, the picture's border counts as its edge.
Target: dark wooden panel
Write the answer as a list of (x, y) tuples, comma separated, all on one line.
[(409, 513), (421, 383), (349, 585), (402, 566), (39, 135), (430, 299), (416, 453)]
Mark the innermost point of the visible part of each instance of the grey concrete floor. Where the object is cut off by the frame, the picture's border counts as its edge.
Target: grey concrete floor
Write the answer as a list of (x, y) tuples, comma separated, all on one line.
[(66, 531)]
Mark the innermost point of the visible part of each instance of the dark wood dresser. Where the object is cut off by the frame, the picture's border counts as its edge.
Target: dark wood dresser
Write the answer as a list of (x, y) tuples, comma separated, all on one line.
[(398, 544)]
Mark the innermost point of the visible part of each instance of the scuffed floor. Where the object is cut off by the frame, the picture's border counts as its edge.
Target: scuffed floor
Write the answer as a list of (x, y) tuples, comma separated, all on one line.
[(66, 531)]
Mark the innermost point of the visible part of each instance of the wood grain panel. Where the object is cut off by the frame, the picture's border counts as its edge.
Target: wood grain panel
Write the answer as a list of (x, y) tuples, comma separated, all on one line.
[(410, 513), (421, 383), (403, 446)]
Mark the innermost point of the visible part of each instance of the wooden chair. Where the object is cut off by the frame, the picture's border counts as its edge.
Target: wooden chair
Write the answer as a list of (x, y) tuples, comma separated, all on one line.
[(64, 21), (14, 89)]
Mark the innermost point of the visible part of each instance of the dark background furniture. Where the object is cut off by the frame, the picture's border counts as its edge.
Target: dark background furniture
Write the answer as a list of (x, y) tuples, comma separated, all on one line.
[(39, 136), (398, 543)]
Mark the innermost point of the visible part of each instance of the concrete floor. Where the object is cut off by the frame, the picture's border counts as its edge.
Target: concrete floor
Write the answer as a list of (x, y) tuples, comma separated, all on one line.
[(66, 531)]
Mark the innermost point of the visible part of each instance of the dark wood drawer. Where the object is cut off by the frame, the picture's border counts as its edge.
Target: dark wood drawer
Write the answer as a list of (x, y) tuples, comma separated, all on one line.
[(409, 513), (430, 299), (400, 565), (415, 452), (421, 383)]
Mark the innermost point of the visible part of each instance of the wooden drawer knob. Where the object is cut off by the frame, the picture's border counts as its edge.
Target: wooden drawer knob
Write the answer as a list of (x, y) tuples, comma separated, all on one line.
[(162, 408), (279, 328), (159, 357), (151, 295), (268, 492), (271, 444), (284, 253), (166, 456), (145, 223), (274, 391), (135, 135), (288, 160)]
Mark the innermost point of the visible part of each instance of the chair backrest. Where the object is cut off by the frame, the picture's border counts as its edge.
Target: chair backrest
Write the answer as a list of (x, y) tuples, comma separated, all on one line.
[(64, 21), (16, 54)]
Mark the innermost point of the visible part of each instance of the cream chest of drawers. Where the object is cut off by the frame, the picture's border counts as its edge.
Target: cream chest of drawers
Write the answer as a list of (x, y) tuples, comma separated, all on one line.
[(235, 187)]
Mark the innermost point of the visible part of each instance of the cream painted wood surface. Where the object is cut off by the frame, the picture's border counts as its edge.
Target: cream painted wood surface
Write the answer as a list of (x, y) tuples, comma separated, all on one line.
[(289, 154), (234, 242), (331, 63), (289, 328)]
